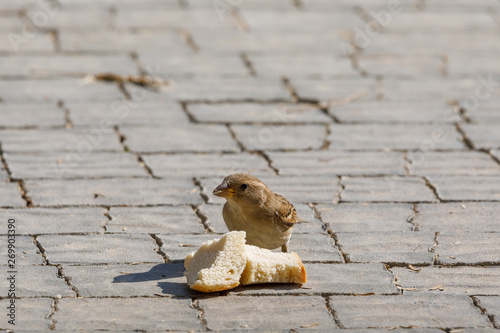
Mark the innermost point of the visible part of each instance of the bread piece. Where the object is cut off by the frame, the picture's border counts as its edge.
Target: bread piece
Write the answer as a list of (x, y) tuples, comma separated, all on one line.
[(217, 265), (265, 266)]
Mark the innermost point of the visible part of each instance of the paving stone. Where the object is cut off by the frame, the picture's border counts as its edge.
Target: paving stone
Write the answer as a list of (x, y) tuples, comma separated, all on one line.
[(430, 21), (26, 251), (450, 217), (51, 66), (496, 154), (10, 195), (257, 112), (71, 20), (338, 163), (367, 136), (332, 279), (31, 115), (310, 66), (468, 248), (484, 116), (99, 249), (492, 305), (34, 221), (133, 191), (467, 187), (392, 311), (364, 217), (65, 165), (295, 189), (459, 65), (188, 138), (215, 221), (455, 280), (409, 247), (177, 247), (53, 90), (81, 142), (401, 66), (468, 163), (17, 41), (37, 281), (330, 90), (483, 136), (76, 5), (126, 314), (3, 174), (246, 312), (194, 65), (31, 314), (129, 280), (395, 113), (393, 189), (153, 220), (111, 41), (203, 165), (315, 248), (274, 137), (126, 113), (225, 89)]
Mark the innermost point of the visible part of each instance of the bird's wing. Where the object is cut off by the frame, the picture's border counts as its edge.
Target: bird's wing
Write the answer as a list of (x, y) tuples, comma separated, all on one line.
[(286, 215)]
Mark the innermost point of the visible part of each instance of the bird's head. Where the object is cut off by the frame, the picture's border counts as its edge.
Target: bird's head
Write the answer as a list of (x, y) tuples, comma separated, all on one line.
[(243, 189)]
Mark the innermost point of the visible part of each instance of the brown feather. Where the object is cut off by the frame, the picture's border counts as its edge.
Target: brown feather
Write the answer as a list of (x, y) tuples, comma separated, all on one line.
[(286, 215)]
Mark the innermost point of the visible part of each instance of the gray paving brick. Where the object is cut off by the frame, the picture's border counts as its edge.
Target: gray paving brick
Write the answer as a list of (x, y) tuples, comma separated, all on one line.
[(122, 42), (188, 138), (459, 65), (56, 66), (467, 187), (177, 247), (484, 115), (126, 314), (258, 112), (26, 251), (401, 66), (273, 137), (3, 174), (30, 115), (364, 217), (468, 248), (333, 279), (394, 113), (484, 136), (330, 90), (129, 280), (73, 21), (126, 113), (65, 165), (338, 163), (368, 136), (42, 91), (390, 311), (450, 217), (394, 189), (315, 248), (225, 89), (31, 314), (429, 21), (10, 195), (310, 66), (496, 154), (153, 220), (99, 249), (469, 163), (42, 282), (492, 305), (42, 140), (409, 247), (455, 280), (146, 18), (126, 4), (35, 221), (203, 165), (16, 41), (244, 312), (295, 189), (133, 191)]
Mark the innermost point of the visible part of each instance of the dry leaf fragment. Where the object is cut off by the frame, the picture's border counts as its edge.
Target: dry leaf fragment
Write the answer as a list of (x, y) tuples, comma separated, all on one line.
[(410, 289), (126, 273), (452, 257), (162, 295), (136, 263), (463, 206), (188, 245), (455, 331), (304, 287), (309, 325), (414, 269), (437, 286)]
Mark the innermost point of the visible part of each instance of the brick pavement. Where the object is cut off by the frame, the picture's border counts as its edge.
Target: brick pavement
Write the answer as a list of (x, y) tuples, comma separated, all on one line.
[(379, 120)]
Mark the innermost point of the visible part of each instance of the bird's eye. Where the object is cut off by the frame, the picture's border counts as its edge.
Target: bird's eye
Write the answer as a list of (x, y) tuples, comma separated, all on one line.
[(244, 186)]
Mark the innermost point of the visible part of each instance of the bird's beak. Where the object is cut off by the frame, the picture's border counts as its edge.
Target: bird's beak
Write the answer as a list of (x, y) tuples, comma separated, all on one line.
[(223, 190)]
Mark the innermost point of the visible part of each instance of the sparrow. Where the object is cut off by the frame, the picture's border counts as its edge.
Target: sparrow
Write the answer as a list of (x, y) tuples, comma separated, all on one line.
[(267, 217)]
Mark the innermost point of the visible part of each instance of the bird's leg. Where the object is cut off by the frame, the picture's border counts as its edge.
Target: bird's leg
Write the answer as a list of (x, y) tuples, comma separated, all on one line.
[(284, 247)]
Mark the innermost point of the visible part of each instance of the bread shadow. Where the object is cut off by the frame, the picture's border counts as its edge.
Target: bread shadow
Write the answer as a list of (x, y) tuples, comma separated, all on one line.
[(158, 272)]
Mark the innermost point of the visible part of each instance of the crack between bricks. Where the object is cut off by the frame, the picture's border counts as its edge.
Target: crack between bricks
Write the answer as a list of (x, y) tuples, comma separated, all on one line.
[(465, 139), (433, 248), (159, 243), (291, 89), (432, 188), (203, 219), (188, 39), (342, 188), (146, 167), (185, 109), (266, 157), (24, 193), (332, 312), (412, 218), (198, 184), (54, 308), (240, 20), (248, 64), (140, 66), (54, 35), (68, 123), (109, 218), (121, 138), (490, 154), (5, 164), (460, 110), (241, 147), (408, 164), (379, 88), (326, 143), (356, 66), (201, 313), (332, 234), (491, 318)]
